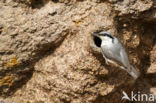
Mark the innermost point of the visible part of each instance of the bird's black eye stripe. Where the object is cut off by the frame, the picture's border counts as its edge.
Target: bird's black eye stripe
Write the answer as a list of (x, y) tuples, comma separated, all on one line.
[(105, 34), (110, 36)]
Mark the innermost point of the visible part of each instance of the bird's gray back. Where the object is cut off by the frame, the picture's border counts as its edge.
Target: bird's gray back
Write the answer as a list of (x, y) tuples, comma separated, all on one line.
[(115, 52)]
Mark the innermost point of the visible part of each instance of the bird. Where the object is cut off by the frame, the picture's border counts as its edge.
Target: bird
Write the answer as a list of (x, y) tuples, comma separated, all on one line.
[(114, 52)]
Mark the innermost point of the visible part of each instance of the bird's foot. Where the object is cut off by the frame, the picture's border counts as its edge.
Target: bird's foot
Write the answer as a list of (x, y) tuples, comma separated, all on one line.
[(108, 62), (122, 67)]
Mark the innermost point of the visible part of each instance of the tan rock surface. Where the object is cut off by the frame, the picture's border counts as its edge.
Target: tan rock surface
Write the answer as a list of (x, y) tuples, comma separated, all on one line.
[(47, 54)]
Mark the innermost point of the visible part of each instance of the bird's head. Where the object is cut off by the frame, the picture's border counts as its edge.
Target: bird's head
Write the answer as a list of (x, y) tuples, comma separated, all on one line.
[(103, 35)]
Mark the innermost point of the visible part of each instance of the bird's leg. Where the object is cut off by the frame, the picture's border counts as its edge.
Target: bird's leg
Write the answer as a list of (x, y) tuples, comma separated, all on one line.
[(106, 60), (109, 61), (112, 62), (122, 67)]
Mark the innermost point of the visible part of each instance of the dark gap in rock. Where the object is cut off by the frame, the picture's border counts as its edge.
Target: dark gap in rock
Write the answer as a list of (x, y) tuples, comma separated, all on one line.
[(97, 41), (66, 101), (80, 0), (120, 0), (145, 31), (37, 3), (0, 31), (55, 1), (148, 42), (101, 1)]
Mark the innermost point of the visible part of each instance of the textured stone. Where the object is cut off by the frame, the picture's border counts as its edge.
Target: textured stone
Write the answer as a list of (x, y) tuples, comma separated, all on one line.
[(47, 54), (133, 7), (25, 38)]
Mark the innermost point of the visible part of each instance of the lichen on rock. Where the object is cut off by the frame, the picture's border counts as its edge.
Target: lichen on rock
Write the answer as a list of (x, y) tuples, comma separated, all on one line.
[(47, 53)]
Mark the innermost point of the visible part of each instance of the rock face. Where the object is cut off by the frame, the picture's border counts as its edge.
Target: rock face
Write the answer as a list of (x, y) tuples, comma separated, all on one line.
[(47, 54)]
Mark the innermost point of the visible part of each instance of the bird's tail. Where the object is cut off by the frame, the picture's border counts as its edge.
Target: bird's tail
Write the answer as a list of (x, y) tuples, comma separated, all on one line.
[(132, 71)]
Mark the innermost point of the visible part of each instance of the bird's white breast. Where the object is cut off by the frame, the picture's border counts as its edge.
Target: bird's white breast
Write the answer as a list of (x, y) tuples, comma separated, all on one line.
[(106, 41)]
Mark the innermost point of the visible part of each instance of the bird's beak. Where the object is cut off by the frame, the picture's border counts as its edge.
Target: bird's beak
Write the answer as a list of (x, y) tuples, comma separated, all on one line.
[(95, 34)]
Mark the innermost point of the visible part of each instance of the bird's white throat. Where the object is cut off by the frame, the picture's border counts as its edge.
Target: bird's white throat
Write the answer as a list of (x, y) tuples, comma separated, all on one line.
[(106, 40)]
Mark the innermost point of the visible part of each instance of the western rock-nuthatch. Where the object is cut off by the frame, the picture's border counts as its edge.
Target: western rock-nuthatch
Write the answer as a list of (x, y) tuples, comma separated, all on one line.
[(113, 52)]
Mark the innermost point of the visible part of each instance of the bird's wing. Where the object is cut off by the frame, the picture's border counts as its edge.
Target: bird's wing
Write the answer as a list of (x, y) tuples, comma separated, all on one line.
[(124, 58), (129, 68), (112, 53)]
